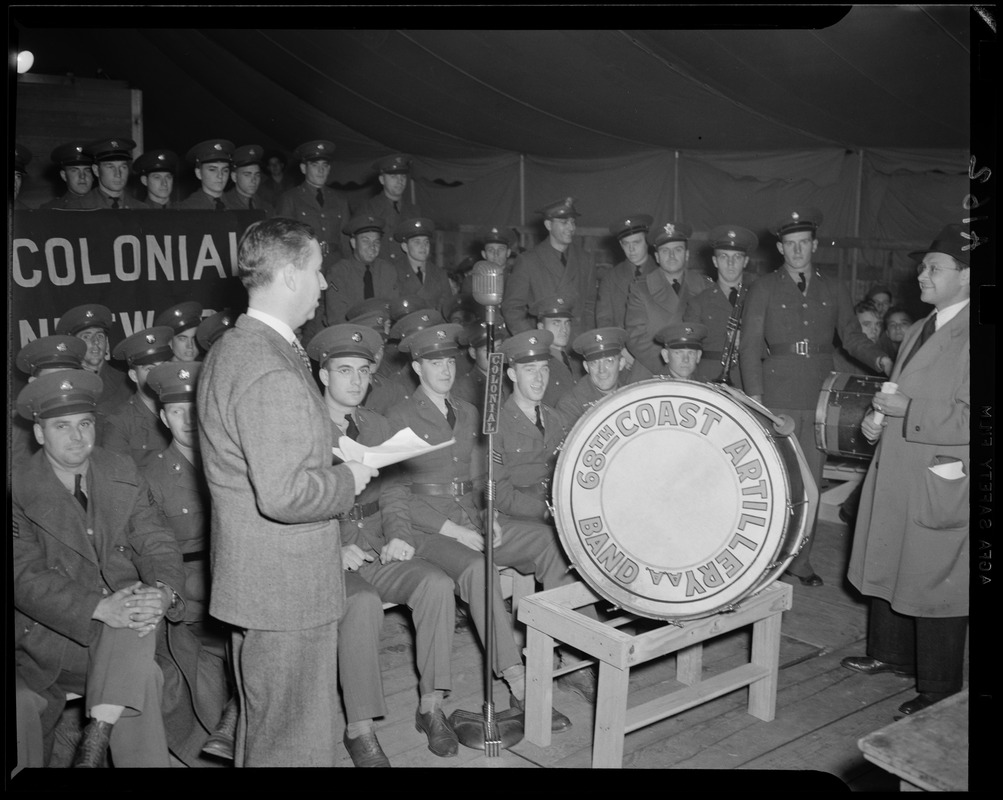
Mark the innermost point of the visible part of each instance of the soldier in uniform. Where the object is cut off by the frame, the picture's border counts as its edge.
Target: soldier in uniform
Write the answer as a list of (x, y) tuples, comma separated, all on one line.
[(39, 357), (417, 274), (275, 182), (378, 555), (362, 274), (786, 351), (135, 428), (75, 170), (660, 298), (391, 205), (314, 203), (614, 287), (401, 370), (91, 322), (95, 571), (717, 306), (22, 156), (156, 170), (602, 350), (555, 314), (446, 521), (183, 319), (213, 161), (244, 195), (682, 349), (211, 328), (556, 267), (496, 247), (384, 392), (112, 158)]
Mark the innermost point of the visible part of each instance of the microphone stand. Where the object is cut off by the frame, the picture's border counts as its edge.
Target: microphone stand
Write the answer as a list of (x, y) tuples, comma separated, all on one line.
[(489, 731)]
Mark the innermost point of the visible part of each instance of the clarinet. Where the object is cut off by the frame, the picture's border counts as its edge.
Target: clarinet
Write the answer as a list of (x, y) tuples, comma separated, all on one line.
[(728, 357)]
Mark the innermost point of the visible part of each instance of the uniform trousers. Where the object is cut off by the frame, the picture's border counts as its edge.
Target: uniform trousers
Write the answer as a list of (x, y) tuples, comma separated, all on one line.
[(466, 568), (119, 669), (428, 592), (934, 645), (804, 431), (29, 706), (287, 682)]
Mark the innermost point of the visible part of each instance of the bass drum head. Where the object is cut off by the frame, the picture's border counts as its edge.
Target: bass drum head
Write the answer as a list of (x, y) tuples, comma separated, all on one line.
[(674, 501)]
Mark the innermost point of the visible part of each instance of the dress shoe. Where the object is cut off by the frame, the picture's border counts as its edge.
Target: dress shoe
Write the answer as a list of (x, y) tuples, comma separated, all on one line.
[(811, 579), (365, 750), (846, 517), (871, 666), (441, 737), (919, 702), (558, 721), (94, 745), (583, 682), (222, 742)]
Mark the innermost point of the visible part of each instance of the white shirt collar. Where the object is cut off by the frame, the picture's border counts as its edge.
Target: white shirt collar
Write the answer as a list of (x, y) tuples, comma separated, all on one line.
[(945, 315), (272, 322)]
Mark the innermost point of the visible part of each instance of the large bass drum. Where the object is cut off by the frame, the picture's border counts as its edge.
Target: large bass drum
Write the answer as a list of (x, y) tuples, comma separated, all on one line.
[(676, 499), (843, 403)]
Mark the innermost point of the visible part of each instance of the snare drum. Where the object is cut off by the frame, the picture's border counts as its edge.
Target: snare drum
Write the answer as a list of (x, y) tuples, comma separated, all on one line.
[(676, 499), (843, 403)]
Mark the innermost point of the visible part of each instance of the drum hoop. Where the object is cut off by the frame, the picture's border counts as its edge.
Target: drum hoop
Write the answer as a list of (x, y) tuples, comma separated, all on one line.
[(784, 540)]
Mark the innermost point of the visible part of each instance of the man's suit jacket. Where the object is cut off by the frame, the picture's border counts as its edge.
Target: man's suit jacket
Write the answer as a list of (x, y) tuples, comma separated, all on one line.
[(266, 451), (911, 543), (67, 560), (652, 304)]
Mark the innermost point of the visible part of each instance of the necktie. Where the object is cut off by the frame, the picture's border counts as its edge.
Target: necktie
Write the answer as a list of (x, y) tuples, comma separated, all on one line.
[(250, 203), (78, 492), (114, 202), (220, 205), (320, 197), (367, 284), (450, 415), (564, 258), (802, 283), (421, 277), (302, 354), (733, 296), (397, 207), (637, 273), (928, 328), (539, 421), (676, 287), (567, 363), (351, 429)]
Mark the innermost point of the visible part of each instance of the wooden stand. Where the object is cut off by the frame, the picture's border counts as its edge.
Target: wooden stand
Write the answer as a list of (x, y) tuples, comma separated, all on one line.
[(927, 750), (551, 617)]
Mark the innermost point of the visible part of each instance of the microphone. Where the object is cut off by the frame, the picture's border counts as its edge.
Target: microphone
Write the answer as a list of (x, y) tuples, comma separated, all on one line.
[(488, 283)]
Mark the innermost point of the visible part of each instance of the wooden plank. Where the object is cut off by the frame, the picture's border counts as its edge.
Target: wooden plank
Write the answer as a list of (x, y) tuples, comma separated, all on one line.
[(928, 749)]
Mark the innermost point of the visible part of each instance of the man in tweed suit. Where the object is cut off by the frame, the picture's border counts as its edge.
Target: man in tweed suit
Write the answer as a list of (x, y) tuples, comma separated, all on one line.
[(275, 542)]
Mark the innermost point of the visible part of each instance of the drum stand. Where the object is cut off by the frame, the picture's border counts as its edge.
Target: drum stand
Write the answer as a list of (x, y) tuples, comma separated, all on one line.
[(550, 618)]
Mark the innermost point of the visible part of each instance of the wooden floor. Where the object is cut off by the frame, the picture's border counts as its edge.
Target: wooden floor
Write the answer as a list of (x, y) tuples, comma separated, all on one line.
[(822, 708)]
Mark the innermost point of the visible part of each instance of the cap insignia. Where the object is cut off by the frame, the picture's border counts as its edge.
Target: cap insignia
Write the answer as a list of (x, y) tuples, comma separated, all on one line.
[(731, 234), (184, 374), (65, 386), (61, 347), (217, 146), (356, 337), (670, 229), (440, 334), (88, 313), (795, 215), (599, 337), (533, 340), (151, 338)]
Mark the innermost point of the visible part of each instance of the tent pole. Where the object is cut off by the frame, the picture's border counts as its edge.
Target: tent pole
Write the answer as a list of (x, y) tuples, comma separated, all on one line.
[(856, 223), (522, 189), (675, 187)]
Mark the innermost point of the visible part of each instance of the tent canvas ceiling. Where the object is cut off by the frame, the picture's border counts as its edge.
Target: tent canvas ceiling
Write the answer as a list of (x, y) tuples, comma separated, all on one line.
[(851, 76)]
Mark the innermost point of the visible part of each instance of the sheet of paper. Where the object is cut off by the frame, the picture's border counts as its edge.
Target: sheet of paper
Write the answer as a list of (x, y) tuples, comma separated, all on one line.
[(950, 470), (401, 446)]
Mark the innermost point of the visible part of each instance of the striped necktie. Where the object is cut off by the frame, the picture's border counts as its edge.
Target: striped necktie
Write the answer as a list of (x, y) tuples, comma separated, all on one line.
[(302, 354)]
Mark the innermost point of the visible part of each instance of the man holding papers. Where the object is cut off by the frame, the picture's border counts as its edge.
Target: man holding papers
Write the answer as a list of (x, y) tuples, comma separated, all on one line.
[(437, 491), (378, 557)]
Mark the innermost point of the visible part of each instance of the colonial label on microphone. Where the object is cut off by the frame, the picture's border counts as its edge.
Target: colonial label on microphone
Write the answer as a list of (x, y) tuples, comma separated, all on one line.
[(672, 499), (493, 392)]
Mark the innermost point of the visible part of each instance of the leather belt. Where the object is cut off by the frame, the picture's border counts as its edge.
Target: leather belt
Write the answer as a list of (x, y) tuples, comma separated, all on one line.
[(198, 555), (539, 490), (802, 348), (454, 489), (359, 511)]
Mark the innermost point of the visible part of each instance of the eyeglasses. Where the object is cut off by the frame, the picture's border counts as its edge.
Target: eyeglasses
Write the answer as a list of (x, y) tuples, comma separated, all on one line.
[(935, 269)]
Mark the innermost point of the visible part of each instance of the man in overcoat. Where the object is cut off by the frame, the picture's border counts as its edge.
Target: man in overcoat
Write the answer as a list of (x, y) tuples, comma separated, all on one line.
[(911, 544)]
